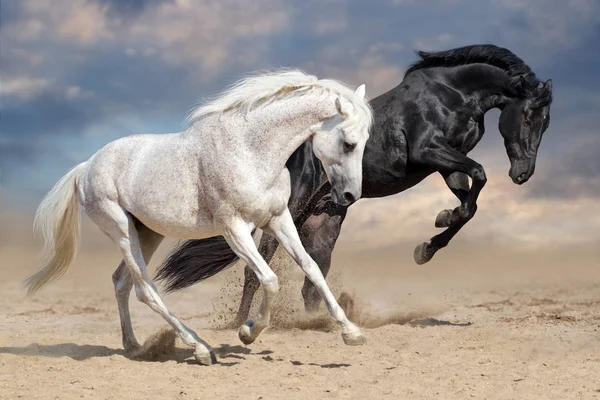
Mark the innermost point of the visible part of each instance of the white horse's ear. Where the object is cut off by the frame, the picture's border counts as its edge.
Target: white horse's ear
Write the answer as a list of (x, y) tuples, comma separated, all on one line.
[(360, 92), (338, 105)]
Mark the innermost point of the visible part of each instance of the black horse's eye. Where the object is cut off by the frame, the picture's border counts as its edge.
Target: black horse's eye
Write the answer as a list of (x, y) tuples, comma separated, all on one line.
[(348, 147)]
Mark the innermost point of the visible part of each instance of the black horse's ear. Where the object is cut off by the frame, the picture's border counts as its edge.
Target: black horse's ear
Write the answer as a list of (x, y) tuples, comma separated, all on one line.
[(548, 85)]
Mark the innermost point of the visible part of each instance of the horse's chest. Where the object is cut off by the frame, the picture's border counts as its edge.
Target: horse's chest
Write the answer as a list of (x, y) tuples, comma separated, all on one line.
[(259, 202)]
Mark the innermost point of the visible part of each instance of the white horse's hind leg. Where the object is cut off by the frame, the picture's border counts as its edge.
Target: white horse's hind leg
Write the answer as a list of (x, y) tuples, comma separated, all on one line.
[(149, 242), (123, 284), (120, 227), (240, 240), (284, 229)]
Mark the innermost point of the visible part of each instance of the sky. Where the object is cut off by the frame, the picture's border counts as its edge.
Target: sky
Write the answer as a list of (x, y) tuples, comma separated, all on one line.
[(77, 74)]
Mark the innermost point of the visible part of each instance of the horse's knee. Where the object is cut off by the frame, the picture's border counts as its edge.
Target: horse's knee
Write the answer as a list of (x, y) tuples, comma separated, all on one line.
[(271, 283), (143, 294)]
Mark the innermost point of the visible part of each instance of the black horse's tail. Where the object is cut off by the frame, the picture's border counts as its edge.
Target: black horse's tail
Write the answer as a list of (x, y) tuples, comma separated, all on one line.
[(195, 261)]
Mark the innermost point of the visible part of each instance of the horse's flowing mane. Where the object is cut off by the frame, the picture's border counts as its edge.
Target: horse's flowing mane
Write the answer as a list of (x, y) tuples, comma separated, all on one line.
[(499, 57), (259, 87)]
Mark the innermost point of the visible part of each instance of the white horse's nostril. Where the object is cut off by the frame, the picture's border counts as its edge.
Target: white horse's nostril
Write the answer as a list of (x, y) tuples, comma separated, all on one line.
[(349, 198)]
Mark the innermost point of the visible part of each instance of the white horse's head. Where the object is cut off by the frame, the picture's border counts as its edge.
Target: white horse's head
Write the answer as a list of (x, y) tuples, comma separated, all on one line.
[(339, 144)]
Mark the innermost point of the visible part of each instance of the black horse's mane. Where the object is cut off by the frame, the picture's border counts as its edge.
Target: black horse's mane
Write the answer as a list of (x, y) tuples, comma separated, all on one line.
[(522, 77)]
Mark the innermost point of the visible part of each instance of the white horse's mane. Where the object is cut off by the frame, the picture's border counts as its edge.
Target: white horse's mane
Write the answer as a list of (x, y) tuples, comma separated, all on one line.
[(259, 87)]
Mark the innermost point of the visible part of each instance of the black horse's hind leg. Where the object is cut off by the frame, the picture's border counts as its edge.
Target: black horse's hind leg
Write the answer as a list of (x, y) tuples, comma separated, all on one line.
[(319, 235), (267, 248)]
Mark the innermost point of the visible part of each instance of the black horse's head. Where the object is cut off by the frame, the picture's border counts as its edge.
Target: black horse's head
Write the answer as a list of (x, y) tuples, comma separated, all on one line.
[(523, 121)]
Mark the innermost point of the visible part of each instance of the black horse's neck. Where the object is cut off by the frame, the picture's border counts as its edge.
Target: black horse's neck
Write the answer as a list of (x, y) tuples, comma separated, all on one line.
[(486, 86)]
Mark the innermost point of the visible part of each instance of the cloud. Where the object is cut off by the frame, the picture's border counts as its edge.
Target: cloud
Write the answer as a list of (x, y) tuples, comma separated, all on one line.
[(330, 18), (26, 89), (27, 30), (372, 68), (86, 23), (130, 8), (575, 174), (177, 29), (204, 35), (23, 88), (430, 3), (549, 26), (438, 42)]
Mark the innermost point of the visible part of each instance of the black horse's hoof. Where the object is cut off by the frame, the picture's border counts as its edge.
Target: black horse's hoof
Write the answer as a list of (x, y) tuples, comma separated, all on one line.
[(424, 253), (443, 219)]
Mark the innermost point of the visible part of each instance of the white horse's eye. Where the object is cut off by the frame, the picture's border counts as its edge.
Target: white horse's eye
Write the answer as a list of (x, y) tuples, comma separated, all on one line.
[(348, 147)]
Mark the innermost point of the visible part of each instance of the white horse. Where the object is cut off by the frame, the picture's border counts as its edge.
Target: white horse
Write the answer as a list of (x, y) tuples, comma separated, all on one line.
[(224, 175)]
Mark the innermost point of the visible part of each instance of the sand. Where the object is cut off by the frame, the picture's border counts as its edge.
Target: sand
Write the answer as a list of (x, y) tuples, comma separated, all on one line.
[(489, 323)]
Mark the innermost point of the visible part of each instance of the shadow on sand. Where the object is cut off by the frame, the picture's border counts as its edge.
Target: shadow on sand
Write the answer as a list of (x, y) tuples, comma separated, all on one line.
[(71, 350), (423, 322), (84, 352)]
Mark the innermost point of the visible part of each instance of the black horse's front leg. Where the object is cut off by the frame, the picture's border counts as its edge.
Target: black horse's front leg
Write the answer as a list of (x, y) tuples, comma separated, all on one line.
[(267, 248), (319, 235), (458, 183), (449, 162)]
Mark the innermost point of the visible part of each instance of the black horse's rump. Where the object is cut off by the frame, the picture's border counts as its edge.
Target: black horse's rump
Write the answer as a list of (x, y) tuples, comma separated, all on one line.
[(426, 124)]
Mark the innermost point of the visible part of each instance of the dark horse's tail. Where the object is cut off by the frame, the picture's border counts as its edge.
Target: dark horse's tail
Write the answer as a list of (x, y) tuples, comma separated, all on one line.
[(195, 261)]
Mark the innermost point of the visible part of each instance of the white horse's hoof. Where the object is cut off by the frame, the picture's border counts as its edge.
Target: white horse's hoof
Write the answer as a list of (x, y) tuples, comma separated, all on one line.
[(245, 332), (354, 338), (424, 253), (443, 219), (205, 357)]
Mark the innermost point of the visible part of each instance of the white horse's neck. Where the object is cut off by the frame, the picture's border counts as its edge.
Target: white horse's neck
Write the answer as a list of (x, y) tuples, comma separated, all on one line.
[(272, 132), (289, 124)]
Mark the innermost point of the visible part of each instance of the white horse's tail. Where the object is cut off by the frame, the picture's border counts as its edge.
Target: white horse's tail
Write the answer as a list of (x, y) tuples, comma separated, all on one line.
[(57, 221)]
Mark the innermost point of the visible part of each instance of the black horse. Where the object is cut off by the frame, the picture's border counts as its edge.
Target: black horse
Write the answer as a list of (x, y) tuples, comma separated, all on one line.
[(426, 124)]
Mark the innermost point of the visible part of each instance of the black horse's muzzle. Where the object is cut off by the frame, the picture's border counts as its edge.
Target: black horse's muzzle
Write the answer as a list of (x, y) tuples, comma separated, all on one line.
[(521, 171)]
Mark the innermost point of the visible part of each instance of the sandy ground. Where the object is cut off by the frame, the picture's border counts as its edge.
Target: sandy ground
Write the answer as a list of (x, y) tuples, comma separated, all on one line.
[(494, 323)]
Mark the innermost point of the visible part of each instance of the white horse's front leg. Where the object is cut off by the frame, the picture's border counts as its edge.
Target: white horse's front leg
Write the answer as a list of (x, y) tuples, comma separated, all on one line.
[(238, 236), (284, 229)]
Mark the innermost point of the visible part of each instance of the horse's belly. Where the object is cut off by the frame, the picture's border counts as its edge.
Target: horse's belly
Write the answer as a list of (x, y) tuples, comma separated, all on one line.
[(174, 219)]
